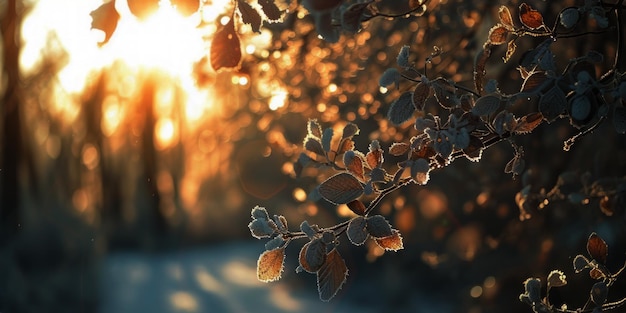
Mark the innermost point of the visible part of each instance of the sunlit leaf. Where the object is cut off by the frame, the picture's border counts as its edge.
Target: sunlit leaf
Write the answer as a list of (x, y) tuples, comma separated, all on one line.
[(356, 231), (105, 18), (314, 145), (420, 94), (619, 120), (271, 11), (331, 276), (498, 34), (391, 243), (486, 105), (378, 227), (341, 188), (528, 123), (597, 248), (595, 273), (186, 7), (530, 17), (306, 228), (419, 171), (142, 9), (505, 17), (259, 212), (350, 130), (399, 148), (345, 145), (374, 157), (357, 207), (312, 255), (552, 104), (599, 292), (226, 48), (556, 279), (249, 15), (270, 265), (354, 164), (262, 228), (402, 109), (474, 150), (314, 128)]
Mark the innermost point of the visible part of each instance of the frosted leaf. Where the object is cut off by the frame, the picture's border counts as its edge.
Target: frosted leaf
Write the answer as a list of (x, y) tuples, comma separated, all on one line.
[(378, 227), (356, 231), (419, 171), (312, 255), (327, 137), (462, 139), (350, 130), (443, 147), (556, 278), (378, 175), (580, 263), (569, 17), (314, 145), (491, 86), (391, 243), (275, 243), (498, 34), (399, 148), (486, 105), (580, 108), (597, 248), (552, 104), (536, 79), (402, 109), (262, 228), (422, 124), (420, 94), (403, 56), (374, 157), (528, 123), (260, 212), (357, 207), (389, 76), (533, 289), (505, 17), (444, 93), (307, 229), (280, 221), (510, 50), (530, 17), (314, 128), (270, 265), (354, 164), (599, 292), (328, 237), (331, 276), (341, 188)]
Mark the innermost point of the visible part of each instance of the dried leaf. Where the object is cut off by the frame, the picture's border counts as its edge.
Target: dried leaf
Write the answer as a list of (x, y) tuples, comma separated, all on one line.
[(226, 48), (356, 231), (597, 248), (314, 128), (510, 50), (341, 188), (402, 109), (357, 207), (505, 17), (331, 276), (378, 227), (249, 15), (528, 123), (536, 79), (530, 17), (391, 243), (479, 67), (270, 265), (312, 255), (105, 18), (374, 158), (498, 34), (444, 93), (420, 94), (345, 145), (595, 273), (271, 11), (354, 164), (262, 228), (556, 279), (399, 148)]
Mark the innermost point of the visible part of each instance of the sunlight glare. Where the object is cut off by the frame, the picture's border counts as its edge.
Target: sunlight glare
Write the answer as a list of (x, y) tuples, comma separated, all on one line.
[(165, 133)]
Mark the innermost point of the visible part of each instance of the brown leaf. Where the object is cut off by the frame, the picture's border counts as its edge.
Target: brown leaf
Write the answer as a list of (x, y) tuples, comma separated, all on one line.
[(345, 145), (505, 17), (596, 273), (249, 15), (420, 94), (597, 248), (530, 17), (391, 243), (399, 148), (105, 18), (226, 48), (510, 50), (357, 207), (356, 166), (374, 158), (479, 67), (331, 276), (498, 34), (312, 255), (272, 12), (528, 123), (341, 188), (533, 81), (270, 265)]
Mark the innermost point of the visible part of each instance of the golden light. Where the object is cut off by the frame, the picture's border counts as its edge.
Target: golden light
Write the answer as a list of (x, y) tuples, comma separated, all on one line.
[(278, 100), (165, 133)]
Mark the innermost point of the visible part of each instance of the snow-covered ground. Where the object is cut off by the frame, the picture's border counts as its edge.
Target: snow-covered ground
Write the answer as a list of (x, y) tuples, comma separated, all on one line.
[(215, 279)]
